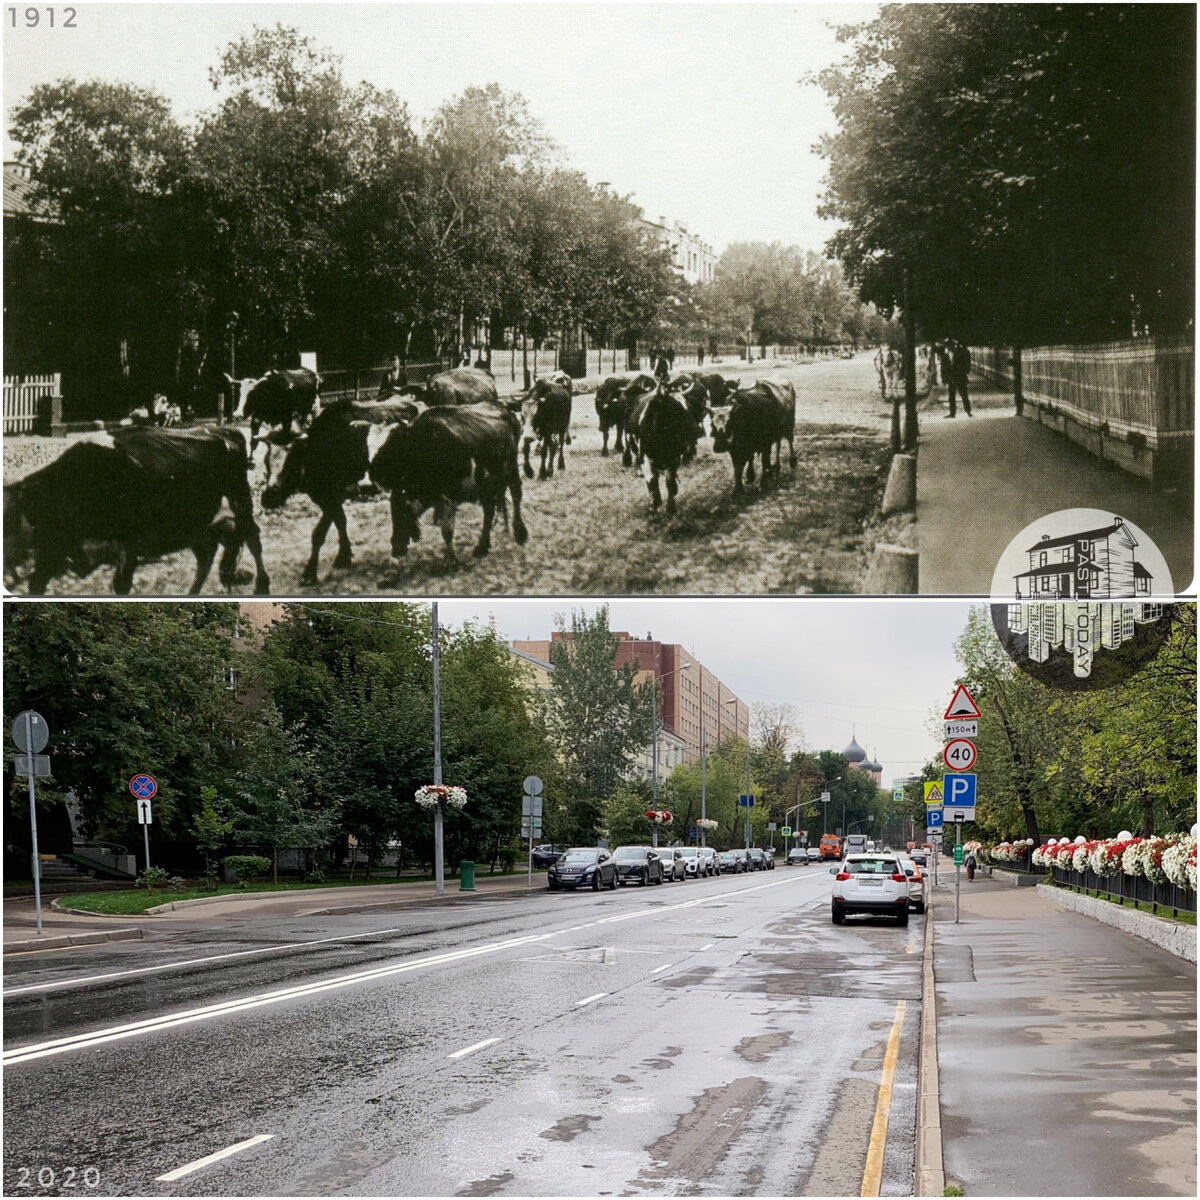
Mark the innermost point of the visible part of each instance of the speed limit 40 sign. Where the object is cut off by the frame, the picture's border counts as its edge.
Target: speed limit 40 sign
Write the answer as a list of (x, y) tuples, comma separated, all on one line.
[(959, 754)]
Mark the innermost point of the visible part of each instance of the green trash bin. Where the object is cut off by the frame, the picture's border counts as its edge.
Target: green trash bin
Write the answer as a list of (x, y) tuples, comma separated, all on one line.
[(466, 876)]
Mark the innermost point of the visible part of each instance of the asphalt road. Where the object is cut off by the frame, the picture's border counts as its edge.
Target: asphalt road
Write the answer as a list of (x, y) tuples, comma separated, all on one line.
[(717, 1037)]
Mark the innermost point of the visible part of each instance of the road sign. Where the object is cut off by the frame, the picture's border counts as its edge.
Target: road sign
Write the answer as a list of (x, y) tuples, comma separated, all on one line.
[(957, 729), (144, 787), (31, 764), (960, 797), (531, 806), (933, 792), (898, 794), (30, 732), (962, 705), (786, 831), (933, 818), (532, 785), (746, 801), (958, 856), (145, 815), (959, 754), (824, 797)]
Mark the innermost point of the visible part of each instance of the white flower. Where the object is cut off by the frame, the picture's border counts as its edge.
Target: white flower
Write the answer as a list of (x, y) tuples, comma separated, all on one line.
[(431, 795)]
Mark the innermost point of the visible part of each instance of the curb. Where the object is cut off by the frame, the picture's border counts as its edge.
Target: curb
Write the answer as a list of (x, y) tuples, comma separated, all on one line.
[(1175, 938), (60, 941), (930, 1169)]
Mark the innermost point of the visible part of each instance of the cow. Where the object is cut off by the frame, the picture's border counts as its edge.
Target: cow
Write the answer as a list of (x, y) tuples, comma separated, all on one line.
[(280, 399), (758, 421), (327, 462), (546, 418), (665, 434), (609, 410), (639, 386), (132, 496), (448, 456), (462, 385), (719, 389)]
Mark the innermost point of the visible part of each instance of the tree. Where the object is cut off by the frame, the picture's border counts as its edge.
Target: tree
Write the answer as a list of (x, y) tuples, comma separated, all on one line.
[(597, 718), (1026, 172)]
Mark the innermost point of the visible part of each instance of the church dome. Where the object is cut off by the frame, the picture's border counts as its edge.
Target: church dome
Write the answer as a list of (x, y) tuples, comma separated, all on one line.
[(854, 752)]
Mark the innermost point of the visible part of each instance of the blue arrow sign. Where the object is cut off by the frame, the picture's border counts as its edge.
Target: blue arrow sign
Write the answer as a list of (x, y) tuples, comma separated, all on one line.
[(746, 801), (933, 818), (959, 790)]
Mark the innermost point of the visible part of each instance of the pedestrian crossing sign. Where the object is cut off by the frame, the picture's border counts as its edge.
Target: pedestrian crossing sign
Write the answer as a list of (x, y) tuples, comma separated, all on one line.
[(933, 792)]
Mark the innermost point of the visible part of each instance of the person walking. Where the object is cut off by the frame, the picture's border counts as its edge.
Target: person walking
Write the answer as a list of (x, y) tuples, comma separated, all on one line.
[(971, 864), (956, 371)]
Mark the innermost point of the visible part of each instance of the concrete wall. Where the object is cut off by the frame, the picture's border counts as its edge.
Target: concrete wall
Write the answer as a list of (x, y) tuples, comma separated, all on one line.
[(1179, 939)]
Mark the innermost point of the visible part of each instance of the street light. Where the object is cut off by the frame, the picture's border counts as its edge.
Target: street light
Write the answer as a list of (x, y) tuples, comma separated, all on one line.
[(733, 700)]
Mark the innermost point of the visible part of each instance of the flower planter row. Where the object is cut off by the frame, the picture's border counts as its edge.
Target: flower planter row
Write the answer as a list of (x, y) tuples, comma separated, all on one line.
[(1168, 861)]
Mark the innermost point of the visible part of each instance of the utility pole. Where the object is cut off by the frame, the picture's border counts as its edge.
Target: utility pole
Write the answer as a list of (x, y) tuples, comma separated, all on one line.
[(654, 757), (747, 789)]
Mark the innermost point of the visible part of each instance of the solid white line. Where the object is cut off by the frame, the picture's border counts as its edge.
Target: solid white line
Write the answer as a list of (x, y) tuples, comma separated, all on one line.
[(115, 1033), (180, 1172), (664, 967), (703, 948), (190, 962), (597, 996), (471, 1049)]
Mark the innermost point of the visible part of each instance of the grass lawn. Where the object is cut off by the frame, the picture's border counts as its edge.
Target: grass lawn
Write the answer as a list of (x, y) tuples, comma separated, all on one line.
[(137, 900)]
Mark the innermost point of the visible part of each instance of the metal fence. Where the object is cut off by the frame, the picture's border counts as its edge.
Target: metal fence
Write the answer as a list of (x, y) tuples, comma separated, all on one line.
[(21, 396), (1160, 896)]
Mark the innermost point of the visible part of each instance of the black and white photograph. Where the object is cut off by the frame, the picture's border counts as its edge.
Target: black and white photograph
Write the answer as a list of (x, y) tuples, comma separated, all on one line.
[(578, 299)]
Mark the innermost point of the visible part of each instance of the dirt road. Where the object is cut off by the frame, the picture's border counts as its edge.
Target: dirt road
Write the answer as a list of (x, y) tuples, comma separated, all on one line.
[(591, 530)]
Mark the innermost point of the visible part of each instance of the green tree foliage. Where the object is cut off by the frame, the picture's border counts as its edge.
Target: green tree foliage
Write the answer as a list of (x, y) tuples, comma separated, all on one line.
[(597, 718), (1031, 167), (124, 688)]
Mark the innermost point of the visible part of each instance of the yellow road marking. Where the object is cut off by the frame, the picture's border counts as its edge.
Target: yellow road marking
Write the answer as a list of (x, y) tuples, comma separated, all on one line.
[(883, 1107)]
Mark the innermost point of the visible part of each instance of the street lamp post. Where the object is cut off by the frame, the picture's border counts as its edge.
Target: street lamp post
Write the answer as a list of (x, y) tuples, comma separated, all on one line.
[(703, 779)]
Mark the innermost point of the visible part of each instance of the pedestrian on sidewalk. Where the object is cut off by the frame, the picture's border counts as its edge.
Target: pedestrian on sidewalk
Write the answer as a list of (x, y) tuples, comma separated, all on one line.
[(956, 371), (971, 864)]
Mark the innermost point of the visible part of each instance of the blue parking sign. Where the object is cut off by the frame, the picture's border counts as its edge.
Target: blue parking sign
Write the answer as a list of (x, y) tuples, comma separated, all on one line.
[(959, 790), (933, 818)]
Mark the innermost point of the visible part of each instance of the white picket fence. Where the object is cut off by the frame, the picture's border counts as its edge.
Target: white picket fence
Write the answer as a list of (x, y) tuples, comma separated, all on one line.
[(21, 396)]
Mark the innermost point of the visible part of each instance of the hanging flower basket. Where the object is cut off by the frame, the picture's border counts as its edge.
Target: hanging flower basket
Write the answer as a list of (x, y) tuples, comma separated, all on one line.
[(658, 816), (431, 795), (706, 823)]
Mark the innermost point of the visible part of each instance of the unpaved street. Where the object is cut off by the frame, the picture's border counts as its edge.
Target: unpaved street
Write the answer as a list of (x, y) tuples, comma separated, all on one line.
[(591, 530)]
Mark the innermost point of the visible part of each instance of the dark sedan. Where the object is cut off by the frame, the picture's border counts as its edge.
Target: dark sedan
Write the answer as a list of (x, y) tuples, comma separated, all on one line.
[(545, 854), (637, 864), (583, 867), (757, 859), (730, 861)]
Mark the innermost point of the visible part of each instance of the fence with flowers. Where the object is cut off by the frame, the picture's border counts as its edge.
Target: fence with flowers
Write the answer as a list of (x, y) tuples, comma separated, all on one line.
[(1159, 871)]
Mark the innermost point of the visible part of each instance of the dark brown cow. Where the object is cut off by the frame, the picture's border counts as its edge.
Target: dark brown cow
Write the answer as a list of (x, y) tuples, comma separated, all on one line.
[(758, 420), (665, 433), (609, 410), (462, 385)]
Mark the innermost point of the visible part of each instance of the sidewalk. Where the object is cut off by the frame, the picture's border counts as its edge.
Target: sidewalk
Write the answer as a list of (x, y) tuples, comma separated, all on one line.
[(1066, 1051), (982, 479), (62, 929)]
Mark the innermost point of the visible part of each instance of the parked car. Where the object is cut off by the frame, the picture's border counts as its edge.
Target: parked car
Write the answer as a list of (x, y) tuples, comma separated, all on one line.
[(584, 866), (544, 855), (673, 863), (916, 882), (799, 857), (708, 856), (920, 858), (870, 883), (731, 862), (637, 864), (814, 854), (691, 860), (758, 860)]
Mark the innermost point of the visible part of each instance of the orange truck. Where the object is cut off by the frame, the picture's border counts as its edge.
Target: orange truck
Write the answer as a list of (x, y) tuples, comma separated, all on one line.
[(831, 846)]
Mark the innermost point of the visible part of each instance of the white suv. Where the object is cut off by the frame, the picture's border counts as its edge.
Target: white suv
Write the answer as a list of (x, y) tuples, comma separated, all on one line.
[(870, 883)]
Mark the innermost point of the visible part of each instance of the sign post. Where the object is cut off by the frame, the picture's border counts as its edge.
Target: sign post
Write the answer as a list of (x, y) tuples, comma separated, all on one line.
[(531, 814), (747, 802), (31, 733), (144, 789)]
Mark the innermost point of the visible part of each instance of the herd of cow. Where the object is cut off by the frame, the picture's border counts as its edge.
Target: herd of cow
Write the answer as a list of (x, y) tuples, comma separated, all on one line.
[(142, 491)]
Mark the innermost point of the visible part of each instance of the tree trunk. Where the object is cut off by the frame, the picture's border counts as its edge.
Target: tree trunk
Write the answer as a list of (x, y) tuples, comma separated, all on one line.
[(1147, 816), (275, 864), (1031, 825), (353, 860), (370, 859)]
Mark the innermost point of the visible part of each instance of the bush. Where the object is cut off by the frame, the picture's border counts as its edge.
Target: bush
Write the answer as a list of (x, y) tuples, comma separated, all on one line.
[(151, 878), (244, 867), (177, 883)]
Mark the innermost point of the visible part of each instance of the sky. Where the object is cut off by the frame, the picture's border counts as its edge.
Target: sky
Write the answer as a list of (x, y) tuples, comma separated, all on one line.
[(696, 110), (880, 670)]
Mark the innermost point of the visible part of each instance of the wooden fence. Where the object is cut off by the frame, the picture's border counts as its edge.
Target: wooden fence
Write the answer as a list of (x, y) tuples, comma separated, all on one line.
[(1133, 402), (21, 396)]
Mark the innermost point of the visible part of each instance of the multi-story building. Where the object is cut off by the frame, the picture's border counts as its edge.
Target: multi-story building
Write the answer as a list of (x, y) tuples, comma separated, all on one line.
[(694, 701), (691, 256)]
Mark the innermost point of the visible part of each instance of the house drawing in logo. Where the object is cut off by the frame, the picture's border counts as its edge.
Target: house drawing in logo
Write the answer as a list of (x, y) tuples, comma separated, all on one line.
[(1093, 564), (1080, 628)]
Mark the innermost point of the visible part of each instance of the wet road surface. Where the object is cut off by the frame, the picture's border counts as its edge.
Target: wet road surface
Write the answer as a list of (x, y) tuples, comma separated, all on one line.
[(715, 1038)]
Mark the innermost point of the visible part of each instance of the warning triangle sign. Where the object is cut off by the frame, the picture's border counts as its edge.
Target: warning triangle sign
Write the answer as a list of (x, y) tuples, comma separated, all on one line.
[(933, 793), (963, 704)]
